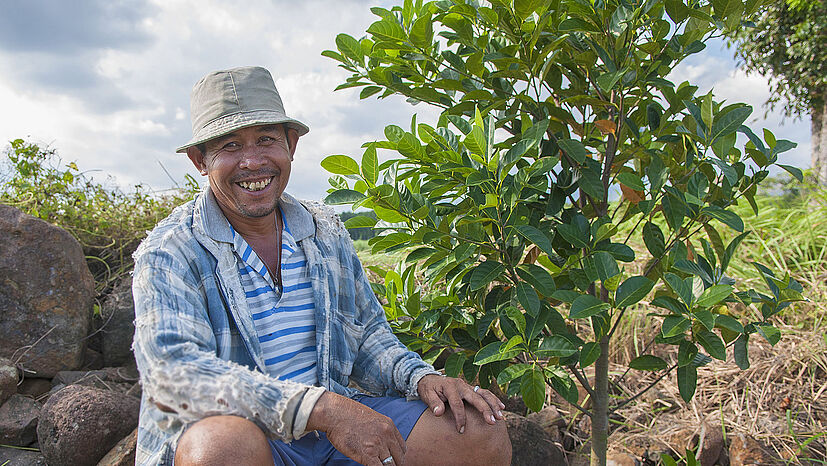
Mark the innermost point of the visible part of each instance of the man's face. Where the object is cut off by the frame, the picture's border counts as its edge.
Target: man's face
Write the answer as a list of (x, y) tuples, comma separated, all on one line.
[(248, 169)]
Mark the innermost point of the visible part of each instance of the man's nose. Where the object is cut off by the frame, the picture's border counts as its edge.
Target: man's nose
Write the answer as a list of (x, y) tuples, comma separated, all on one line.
[(252, 158)]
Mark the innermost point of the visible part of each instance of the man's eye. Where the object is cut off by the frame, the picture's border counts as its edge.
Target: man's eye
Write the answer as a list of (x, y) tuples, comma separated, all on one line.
[(231, 146), (266, 139)]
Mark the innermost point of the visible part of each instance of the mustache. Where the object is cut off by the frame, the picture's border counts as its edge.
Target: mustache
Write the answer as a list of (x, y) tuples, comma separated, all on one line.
[(266, 173)]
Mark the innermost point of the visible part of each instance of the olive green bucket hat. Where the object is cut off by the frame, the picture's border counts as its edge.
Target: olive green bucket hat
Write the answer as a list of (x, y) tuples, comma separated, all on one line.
[(227, 100)]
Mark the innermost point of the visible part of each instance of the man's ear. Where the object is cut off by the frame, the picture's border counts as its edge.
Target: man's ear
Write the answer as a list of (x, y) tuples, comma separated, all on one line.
[(197, 159), (292, 140)]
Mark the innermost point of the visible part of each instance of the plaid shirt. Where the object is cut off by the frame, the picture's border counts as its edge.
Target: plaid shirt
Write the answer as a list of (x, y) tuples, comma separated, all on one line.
[(195, 341)]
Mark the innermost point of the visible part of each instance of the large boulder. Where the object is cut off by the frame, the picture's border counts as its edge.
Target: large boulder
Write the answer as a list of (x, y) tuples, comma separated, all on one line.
[(18, 421), (530, 444), (118, 317), (46, 293), (79, 425)]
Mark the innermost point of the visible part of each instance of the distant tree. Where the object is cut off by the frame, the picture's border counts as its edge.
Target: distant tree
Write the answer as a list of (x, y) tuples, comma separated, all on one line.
[(788, 45)]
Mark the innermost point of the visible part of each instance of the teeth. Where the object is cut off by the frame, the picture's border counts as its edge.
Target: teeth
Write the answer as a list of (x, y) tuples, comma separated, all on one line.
[(256, 185)]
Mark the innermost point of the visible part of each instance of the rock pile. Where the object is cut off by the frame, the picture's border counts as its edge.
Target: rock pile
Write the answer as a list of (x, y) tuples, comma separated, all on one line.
[(58, 404)]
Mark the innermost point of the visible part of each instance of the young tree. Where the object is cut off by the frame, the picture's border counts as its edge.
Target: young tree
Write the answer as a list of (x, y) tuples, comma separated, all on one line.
[(560, 140), (788, 45)]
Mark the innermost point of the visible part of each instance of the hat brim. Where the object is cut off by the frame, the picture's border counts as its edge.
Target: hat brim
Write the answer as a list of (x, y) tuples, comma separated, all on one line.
[(229, 123)]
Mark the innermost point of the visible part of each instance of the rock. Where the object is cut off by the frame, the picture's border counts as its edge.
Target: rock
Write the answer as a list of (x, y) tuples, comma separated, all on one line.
[(118, 316), (122, 454), (530, 444), (46, 293), (621, 459), (548, 417), (117, 379), (92, 360), (745, 450), (710, 444), (18, 457), (18, 421), (79, 425), (34, 388), (8, 380)]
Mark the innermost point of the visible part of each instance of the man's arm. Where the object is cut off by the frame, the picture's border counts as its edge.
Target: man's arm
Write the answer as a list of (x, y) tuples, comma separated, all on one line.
[(175, 349)]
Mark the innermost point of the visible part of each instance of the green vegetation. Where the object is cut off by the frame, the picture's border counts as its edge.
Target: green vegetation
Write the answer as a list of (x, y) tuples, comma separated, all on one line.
[(108, 223), (519, 263)]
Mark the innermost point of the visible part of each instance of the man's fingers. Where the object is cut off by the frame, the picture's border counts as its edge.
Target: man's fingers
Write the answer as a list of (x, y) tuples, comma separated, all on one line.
[(493, 402), (458, 408), (397, 451), (434, 402), (477, 400)]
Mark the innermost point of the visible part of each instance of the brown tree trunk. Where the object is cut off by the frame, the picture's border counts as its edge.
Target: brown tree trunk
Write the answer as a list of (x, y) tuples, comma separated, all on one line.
[(818, 133)]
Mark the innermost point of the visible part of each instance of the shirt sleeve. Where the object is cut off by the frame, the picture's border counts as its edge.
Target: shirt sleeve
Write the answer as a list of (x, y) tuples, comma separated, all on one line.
[(175, 349)]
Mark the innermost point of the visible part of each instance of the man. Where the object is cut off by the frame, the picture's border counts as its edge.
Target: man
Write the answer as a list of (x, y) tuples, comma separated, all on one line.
[(253, 317)]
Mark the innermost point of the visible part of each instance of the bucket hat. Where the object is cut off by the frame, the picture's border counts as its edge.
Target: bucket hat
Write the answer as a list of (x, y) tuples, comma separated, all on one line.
[(227, 100)]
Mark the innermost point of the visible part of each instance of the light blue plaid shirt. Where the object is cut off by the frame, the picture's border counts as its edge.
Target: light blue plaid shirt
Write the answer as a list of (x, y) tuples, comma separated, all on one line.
[(195, 341)]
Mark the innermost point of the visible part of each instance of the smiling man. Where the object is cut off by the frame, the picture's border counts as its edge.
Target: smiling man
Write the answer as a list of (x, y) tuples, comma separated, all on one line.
[(255, 321)]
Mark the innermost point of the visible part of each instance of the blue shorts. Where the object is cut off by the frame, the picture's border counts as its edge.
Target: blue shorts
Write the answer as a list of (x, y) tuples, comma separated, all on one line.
[(311, 450)]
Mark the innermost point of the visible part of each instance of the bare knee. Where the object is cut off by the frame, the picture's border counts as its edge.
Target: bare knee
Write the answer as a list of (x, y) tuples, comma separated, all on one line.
[(491, 442), (221, 440)]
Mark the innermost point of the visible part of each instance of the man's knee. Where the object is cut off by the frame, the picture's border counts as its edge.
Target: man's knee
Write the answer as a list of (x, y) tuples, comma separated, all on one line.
[(221, 440), (491, 442)]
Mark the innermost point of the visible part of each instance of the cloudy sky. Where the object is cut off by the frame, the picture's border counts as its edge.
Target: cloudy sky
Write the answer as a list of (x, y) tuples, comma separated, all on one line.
[(106, 82)]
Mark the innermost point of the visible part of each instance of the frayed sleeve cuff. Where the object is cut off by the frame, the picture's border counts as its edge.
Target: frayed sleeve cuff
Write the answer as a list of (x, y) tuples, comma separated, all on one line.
[(301, 408)]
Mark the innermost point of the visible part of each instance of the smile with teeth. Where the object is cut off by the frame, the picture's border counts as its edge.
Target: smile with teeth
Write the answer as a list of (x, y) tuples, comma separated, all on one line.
[(255, 185)]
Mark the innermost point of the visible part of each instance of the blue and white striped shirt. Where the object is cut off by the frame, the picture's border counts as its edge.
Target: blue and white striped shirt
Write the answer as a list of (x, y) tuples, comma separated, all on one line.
[(284, 315)]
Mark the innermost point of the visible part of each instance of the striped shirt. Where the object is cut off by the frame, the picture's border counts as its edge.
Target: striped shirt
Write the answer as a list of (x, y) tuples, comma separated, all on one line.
[(284, 314)]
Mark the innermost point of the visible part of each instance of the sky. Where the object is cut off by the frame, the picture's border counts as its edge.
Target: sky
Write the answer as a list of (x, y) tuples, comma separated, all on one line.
[(106, 83)]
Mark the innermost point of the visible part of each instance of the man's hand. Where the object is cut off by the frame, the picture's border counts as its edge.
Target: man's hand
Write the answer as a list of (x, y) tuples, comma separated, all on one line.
[(357, 431), (435, 390)]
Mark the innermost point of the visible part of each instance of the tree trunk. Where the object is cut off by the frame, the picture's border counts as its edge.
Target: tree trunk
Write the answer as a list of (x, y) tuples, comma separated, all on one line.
[(818, 133), (600, 411)]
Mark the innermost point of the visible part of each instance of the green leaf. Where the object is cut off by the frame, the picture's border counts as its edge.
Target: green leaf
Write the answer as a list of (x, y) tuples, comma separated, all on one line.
[(485, 273), (631, 180), (340, 165), (713, 295), (574, 149), (586, 306), (589, 354), (370, 165), (794, 171), (528, 299), (422, 32), (510, 373), (556, 346), (491, 353), (350, 47), (730, 121), (674, 325), (713, 344), (607, 81), (632, 290), (653, 239), (344, 196), (387, 29), (687, 381), (475, 142), (535, 236), (606, 265), (742, 352), (360, 221), (533, 389), (729, 218), (647, 362), (729, 323), (454, 363), (516, 316), (539, 278), (686, 353), (730, 250), (772, 334), (706, 318), (573, 235)]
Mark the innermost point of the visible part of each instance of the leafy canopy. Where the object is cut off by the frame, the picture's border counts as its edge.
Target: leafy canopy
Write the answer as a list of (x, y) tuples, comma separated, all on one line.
[(560, 140)]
